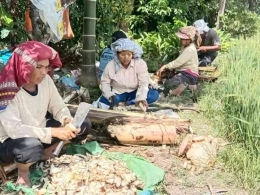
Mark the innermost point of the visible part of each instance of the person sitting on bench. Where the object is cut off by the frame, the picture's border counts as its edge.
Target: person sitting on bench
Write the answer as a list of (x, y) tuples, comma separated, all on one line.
[(210, 44), (186, 65), (126, 78), (27, 93)]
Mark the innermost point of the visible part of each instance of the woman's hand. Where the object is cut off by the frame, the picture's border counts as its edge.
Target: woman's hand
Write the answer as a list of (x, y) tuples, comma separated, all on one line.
[(144, 103), (65, 133), (112, 102), (160, 71), (67, 121)]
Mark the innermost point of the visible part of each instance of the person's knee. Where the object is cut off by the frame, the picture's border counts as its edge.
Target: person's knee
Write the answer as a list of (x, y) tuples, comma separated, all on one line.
[(86, 125), (117, 99), (203, 63), (29, 150), (85, 130), (153, 96), (171, 83)]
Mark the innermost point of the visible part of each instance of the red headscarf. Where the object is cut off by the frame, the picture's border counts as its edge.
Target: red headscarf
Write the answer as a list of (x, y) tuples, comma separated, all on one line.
[(16, 72)]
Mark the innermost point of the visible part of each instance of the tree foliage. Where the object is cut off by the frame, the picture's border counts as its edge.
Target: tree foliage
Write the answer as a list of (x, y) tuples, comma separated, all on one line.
[(153, 23)]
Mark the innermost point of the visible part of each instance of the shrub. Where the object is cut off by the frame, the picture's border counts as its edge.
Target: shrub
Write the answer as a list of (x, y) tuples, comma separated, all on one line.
[(160, 46), (237, 22), (226, 40)]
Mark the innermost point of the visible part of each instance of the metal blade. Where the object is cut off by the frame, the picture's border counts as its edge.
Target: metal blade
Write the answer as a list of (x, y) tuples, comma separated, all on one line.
[(81, 114)]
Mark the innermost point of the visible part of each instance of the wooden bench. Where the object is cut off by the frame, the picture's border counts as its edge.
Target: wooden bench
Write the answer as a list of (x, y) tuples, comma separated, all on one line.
[(6, 168), (208, 74)]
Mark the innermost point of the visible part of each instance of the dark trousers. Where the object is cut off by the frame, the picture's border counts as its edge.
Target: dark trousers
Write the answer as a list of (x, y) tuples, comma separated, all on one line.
[(29, 149), (180, 78), (206, 59), (129, 98)]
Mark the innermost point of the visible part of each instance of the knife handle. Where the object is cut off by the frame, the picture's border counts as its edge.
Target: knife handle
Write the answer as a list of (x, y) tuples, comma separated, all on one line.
[(58, 148)]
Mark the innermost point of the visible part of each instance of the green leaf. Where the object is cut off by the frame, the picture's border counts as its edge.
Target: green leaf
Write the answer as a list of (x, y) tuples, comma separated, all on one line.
[(5, 17), (4, 33)]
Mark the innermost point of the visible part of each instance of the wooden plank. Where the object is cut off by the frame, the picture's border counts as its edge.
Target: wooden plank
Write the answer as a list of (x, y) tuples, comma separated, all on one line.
[(6, 168), (210, 77), (208, 69)]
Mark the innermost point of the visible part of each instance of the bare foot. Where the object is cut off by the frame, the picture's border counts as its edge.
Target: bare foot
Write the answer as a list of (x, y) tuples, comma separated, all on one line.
[(23, 179)]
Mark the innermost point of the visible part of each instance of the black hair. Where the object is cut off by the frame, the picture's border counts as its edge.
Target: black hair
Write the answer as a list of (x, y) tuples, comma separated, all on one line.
[(118, 35)]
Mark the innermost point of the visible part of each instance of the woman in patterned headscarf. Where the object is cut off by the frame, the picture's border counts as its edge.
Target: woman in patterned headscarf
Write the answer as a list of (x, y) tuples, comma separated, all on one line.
[(27, 93), (186, 65)]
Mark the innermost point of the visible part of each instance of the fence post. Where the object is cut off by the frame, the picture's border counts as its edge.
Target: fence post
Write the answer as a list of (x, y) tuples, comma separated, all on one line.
[(88, 76)]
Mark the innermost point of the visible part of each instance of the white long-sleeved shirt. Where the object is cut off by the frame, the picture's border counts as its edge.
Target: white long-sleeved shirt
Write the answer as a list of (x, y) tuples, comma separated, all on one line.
[(187, 60), (135, 77), (25, 115)]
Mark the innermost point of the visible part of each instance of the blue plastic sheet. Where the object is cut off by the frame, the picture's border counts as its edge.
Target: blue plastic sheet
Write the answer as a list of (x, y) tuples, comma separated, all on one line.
[(69, 83), (5, 56)]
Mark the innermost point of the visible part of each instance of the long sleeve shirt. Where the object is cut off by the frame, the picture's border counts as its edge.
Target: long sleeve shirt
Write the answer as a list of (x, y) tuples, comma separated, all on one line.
[(187, 60), (25, 115), (135, 77)]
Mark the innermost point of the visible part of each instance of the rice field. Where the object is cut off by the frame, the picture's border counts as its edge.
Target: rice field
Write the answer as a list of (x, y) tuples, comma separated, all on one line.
[(233, 104)]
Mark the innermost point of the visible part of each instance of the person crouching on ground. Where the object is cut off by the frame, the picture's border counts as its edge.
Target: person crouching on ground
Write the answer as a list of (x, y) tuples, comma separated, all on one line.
[(107, 54), (126, 79), (210, 45), (27, 94), (186, 65)]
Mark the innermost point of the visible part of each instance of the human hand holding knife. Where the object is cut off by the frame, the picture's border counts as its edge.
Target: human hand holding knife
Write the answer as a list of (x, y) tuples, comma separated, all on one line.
[(78, 119)]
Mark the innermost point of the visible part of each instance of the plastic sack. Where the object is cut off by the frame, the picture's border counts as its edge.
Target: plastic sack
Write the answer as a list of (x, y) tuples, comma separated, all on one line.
[(69, 83), (51, 13), (76, 74)]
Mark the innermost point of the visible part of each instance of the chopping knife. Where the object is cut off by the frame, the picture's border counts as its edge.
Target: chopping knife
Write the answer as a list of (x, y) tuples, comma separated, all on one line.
[(78, 119)]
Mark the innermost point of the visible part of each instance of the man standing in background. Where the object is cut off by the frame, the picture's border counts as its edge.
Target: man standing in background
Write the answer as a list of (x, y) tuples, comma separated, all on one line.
[(210, 45)]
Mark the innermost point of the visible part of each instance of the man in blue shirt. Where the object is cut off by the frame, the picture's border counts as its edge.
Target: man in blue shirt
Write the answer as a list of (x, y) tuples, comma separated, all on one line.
[(107, 54)]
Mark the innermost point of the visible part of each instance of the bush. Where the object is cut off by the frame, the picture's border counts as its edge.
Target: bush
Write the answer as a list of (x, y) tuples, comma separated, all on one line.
[(226, 40), (233, 103), (238, 21), (160, 46)]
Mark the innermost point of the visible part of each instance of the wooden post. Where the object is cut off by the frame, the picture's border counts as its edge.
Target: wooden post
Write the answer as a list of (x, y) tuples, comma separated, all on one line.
[(222, 5), (88, 77)]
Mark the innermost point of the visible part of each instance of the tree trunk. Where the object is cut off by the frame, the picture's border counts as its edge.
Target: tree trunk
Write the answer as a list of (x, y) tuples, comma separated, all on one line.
[(39, 30), (88, 76), (222, 5), (251, 5), (147, 131), (124, 24), (138, 128)]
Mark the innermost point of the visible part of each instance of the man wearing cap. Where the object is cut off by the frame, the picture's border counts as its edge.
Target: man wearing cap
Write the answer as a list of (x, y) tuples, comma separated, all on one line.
[(210, 45)]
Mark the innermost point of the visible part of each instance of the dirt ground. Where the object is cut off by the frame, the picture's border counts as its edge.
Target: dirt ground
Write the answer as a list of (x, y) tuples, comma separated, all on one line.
[(179, 181)]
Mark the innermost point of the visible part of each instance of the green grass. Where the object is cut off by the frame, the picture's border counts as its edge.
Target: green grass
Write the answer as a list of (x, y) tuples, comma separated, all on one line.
[(233, 104)]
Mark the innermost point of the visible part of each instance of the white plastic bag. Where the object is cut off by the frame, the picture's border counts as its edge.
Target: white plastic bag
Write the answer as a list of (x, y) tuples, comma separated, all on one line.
[(51, 13)]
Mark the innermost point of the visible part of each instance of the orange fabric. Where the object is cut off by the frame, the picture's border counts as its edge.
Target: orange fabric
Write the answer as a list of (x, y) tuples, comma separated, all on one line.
[(66, 23), (28, 21)]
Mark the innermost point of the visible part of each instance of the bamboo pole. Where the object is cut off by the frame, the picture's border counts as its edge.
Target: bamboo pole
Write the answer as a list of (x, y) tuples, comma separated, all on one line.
[(88, 77)]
